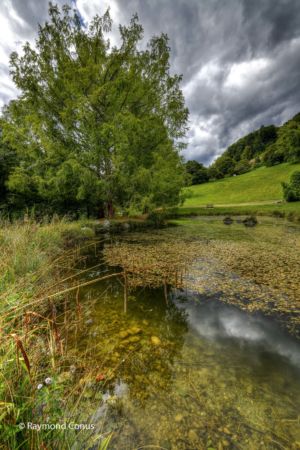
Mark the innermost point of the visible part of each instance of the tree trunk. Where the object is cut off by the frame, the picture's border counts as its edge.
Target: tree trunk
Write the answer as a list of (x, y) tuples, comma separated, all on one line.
[(110, 210)]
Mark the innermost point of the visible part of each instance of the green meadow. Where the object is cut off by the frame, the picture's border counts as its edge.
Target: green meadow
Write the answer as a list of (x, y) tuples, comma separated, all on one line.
[(257, 186)]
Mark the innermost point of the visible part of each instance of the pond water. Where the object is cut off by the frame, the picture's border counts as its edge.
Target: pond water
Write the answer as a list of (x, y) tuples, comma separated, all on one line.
[(189, 373)]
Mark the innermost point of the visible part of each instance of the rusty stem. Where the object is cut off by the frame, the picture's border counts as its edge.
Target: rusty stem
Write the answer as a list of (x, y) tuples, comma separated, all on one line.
[(125, 291), (166, 290), (78, 305)]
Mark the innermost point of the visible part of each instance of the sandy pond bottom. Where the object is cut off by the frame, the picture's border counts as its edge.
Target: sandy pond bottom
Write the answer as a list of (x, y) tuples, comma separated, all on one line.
[(191, 374)]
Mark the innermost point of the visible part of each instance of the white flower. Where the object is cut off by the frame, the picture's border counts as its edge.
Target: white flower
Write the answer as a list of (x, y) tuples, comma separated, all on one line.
[(39, 386), (48, 380)]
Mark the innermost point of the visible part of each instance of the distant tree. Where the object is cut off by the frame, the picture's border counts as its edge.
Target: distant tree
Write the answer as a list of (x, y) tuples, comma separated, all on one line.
[(198, 173), (224, 165), (291, 190), (268, 134), (96, 126), (242, 166), (214, 173), (273, 156), (288, 143), (8, 160), (247, 153)]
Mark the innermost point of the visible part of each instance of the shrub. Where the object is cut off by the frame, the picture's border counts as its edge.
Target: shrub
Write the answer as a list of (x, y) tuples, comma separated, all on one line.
[(291, 190)]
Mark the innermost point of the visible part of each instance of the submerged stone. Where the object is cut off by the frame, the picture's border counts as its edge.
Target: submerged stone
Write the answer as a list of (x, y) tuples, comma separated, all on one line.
[(178, 418), (192, 435), (155, 340), (250, 221), (227, 220), (134, 339), (123, 334), (134, 330)]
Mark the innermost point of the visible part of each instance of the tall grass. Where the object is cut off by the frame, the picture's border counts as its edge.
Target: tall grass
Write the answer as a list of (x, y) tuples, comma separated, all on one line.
[(33, 258)]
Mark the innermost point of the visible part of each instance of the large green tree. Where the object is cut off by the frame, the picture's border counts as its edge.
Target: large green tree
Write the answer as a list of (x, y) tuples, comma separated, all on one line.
[(198, 174), (96, 125)]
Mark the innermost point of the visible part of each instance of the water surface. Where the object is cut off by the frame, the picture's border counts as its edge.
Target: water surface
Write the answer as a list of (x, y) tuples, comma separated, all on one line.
[(192, 373)]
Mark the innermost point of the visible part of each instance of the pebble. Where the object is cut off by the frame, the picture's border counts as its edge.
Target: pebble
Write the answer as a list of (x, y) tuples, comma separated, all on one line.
[(155, 340), (192, 435), (134, 339), (123, 334), (134, 330), (178, 417)]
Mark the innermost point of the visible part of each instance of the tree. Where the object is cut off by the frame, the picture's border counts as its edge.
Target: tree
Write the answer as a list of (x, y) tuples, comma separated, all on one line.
[(198, 173), (242, 166), (92, 122), (291, 190), (8, 160), (224, 165), (273, 155), (214, 173)]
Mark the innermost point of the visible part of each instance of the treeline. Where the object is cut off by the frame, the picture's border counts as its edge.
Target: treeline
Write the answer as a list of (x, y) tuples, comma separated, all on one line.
[(267, 146), (96, 129)]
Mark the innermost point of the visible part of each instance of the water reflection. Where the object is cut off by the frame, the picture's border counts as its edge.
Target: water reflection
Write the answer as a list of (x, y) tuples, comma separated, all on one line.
[(214, 377), (216, 321)]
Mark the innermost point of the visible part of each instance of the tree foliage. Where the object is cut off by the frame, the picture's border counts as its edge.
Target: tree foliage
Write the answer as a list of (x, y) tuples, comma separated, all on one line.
[(269, 146), (198, 174), (291, 190), (95, 126)]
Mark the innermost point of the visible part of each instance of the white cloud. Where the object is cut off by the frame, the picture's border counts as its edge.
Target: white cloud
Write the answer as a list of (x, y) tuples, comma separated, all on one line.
[(243, 73), (9, 42), (89, 8)]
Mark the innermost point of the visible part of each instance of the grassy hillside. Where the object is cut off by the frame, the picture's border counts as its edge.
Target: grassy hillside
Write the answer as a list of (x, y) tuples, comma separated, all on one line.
[(258, 186), (270, 145)]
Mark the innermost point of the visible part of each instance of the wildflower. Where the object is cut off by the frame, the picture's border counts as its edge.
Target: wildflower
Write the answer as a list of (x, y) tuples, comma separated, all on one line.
[(48, 380), (39, 386)]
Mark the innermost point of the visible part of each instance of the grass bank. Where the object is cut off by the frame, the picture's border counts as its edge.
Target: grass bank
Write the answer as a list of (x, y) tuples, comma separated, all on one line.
[(290, 211), (33, 258)]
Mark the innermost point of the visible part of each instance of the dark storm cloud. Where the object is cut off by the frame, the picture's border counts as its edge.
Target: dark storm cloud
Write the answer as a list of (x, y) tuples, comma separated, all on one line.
[(31, 13), (19, 21), (240, 59)]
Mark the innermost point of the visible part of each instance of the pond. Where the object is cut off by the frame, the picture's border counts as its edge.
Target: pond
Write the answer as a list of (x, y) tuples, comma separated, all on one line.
[(190, 369)]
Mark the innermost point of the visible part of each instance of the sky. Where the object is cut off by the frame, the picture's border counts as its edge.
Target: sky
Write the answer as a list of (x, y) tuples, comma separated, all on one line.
[(240, 59)]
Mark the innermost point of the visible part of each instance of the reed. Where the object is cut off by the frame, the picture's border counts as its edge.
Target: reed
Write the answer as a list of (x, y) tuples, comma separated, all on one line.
[(35, 267)]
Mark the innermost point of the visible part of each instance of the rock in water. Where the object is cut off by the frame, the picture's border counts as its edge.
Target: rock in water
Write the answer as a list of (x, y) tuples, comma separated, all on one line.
[(178, 418), (227, 220), (192, 435), (123, 334), (155, 340), (250, 221), (134, 330)]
